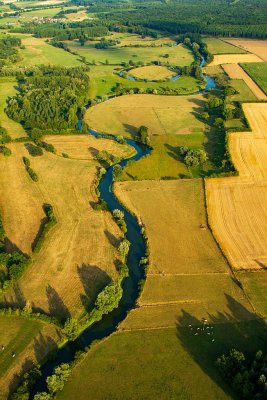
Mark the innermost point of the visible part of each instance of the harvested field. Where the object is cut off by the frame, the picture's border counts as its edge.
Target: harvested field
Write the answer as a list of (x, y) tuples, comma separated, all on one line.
[(234, 71), (30, 340), (258, 47), (186, 247), (77, 257), (152, 72), (187, 272), (78, 16), (124, 115), (237, 205), (234, 59)]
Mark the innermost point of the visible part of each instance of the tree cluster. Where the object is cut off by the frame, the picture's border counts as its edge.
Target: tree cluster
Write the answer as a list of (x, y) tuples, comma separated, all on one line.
[(193, 158), (49, 98), (247, 377)]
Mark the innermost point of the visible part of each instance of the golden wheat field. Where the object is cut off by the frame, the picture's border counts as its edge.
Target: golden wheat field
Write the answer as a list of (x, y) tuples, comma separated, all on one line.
[(258, 47), (234, 71), (237, 205), (124, 115), (152, 72), (234, 59), (187, 272), (77, 257)]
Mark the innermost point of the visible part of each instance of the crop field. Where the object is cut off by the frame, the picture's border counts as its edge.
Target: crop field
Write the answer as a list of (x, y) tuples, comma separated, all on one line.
[(258, 47), (29, 340), (234, 59), (178, 291), (217, 46), (77, 257), (37, 52), (152, 72), (237, 205), (178, 55), (234, 71), (104, 82), (258, 72)]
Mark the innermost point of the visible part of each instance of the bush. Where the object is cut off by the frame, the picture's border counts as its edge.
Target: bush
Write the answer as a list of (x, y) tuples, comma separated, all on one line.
[(5, 151), (48, 147), (34, 150)]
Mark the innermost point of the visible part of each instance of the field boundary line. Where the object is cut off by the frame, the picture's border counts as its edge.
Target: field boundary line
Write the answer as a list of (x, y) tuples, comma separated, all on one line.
[(184, 274), (162, 126), (169, 303)]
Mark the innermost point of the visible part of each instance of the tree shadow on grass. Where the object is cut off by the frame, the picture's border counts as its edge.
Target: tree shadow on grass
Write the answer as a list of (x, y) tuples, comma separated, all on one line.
[(113, 240), (131, 129), (16, 299), (56, 305), (207, 339), (17, 378), (93, 280), (11, 247)]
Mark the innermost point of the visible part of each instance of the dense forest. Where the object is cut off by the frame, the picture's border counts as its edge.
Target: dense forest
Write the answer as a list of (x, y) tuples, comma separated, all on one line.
[(49, 98), (215, 17), (8, 50)]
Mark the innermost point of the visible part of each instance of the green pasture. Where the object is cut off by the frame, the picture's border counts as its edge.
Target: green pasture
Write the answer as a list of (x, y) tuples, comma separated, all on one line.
[(258, 72), (218, 46)]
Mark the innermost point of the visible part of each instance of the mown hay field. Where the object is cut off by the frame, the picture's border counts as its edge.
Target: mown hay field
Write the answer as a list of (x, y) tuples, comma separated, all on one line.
[(131, 39), (124, 115), (234, 59), (171, 122), (258, 47), (178, 55), (152, 72), (218, 46), (187, 272), (7, 88), (29, 340), (180, 290), (37, 52), (244, 93), (255, 284), (234, 71), (77, 257), (258, 72), (237, 205)]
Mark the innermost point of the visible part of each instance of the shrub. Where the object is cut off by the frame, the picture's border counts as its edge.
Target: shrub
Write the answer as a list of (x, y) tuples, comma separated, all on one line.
[(34, 150), (48, 147), (5, 151)]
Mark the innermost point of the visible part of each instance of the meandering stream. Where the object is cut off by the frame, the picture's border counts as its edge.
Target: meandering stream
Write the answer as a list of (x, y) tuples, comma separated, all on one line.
[(137, 250)]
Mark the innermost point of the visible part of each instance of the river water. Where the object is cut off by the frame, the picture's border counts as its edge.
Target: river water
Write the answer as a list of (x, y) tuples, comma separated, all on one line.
[(109, 322)]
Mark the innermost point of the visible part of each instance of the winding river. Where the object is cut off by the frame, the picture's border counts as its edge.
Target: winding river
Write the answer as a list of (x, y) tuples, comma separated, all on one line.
[(109, 322)]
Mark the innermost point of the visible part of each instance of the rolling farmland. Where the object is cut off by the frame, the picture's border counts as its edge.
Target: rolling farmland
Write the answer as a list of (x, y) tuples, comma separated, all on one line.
[(237, 205)]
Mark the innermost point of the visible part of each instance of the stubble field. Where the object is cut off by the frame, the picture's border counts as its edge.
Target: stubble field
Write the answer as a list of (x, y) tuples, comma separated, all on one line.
[(237, 205)]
